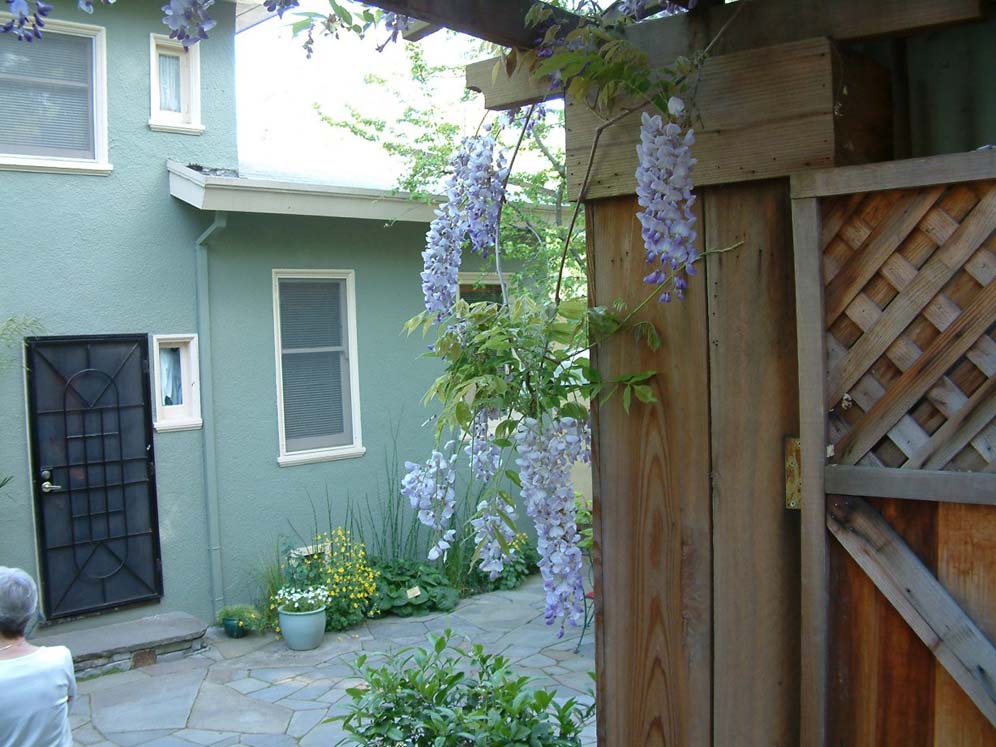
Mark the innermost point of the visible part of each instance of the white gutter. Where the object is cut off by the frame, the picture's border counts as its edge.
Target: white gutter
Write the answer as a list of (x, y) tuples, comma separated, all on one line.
[(235, 194)]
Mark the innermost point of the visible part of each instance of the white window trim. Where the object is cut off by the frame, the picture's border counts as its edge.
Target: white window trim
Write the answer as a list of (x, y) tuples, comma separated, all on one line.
[(184, 123), (348, 451), (99, 164), (164, 424)]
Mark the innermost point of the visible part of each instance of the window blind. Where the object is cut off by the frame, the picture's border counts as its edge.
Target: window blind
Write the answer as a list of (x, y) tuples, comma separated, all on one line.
[(314, 364), (47, 97)]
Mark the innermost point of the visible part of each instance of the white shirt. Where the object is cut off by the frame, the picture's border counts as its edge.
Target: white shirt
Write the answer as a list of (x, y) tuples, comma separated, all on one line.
[(35, 691)]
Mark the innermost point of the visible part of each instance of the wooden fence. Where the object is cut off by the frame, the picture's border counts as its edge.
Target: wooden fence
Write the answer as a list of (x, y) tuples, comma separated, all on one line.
[(896, 311)]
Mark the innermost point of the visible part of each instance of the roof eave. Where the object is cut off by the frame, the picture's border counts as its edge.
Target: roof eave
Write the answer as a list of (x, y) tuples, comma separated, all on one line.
[(242, 195)]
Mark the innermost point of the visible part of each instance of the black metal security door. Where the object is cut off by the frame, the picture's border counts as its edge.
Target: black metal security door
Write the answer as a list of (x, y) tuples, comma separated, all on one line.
[(94, 472)]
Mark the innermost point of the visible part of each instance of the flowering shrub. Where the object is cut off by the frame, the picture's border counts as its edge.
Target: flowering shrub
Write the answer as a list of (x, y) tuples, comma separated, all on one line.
[(448, 696), (246, 616), (339, 565), (307, 599)]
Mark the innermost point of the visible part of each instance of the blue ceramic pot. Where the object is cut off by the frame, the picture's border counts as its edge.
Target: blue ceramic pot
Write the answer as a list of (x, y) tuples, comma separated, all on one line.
[(303, 631)]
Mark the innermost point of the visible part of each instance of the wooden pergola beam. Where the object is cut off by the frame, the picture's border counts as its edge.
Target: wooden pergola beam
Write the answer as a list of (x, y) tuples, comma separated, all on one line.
[(761, 24), (500, 22)]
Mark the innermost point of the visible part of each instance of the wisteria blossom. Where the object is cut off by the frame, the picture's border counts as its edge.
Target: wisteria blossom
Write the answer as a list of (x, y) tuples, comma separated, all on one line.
[(474, 194), (485, 456), (396, 25), (430, 490), (664, 191), (188, 20), (280, 6), (547, 450), (28, 19), (493, 533)]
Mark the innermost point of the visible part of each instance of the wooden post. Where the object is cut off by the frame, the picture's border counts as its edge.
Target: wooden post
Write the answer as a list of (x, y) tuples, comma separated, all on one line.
[(812, 434)]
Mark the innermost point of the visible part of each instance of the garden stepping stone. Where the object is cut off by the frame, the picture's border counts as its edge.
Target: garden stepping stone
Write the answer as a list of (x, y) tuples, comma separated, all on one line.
[(220, 707), (162, 702), (304, 721)]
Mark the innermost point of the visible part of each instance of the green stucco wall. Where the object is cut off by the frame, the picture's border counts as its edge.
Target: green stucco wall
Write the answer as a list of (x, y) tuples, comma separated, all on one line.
[(114, 254), (261, 501)]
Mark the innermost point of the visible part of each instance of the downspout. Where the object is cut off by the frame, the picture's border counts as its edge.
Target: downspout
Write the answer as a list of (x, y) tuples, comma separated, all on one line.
[(211, 503)]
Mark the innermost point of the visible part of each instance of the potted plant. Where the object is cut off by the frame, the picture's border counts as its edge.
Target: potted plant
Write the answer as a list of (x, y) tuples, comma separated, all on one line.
[(239, 619), (301, 612)]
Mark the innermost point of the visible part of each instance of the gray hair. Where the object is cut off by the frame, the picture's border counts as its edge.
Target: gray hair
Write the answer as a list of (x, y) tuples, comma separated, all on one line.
[(18, 601)]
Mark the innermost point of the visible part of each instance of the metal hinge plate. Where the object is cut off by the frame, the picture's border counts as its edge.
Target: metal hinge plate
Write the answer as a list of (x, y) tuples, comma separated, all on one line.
[(793, 473)]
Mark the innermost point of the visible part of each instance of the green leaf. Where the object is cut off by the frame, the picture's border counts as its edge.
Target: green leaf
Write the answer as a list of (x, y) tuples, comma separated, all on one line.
[(627, 396), (644, 393)]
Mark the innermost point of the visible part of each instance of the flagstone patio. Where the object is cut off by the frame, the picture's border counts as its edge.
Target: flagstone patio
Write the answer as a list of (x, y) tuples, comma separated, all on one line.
[(255, 691)]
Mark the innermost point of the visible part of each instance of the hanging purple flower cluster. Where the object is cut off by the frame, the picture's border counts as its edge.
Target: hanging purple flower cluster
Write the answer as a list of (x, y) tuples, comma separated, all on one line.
[(430, 490), (485, 456), (280, 6), (396, 25), (664, 191), (188, 20), (26, 23), (491, 531), (474, 194), (546, 453), (638, 8), (515, 117)]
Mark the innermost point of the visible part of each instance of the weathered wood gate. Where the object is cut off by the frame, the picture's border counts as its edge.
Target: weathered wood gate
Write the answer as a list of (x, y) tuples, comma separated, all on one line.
[(896, 308)]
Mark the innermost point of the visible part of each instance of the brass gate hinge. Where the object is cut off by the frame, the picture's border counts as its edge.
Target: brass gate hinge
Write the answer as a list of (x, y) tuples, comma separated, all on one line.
[(793, 473)]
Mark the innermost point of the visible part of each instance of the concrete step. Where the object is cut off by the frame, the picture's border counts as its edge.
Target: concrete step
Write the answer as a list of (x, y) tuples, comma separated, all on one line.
[(137, 643)]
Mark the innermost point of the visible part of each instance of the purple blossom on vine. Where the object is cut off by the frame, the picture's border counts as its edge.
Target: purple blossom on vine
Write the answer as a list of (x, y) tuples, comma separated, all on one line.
[(469, 216), (493, 529), (430, 490), (396, 25), (664, 191), (280, 6), (188, 20), (547, 450), (485, 456), (27, 22)]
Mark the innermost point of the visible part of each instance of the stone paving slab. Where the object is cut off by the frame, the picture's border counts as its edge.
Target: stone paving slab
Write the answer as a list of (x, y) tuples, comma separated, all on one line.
[(254, 691)]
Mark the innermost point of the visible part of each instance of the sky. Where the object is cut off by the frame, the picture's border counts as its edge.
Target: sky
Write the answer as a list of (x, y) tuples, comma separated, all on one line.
[(281, 134)]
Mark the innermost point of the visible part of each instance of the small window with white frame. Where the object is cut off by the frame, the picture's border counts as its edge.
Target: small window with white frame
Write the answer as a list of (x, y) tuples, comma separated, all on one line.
[(175, 379), (53, 101), (480, 287), (175, 79), (318, 395)]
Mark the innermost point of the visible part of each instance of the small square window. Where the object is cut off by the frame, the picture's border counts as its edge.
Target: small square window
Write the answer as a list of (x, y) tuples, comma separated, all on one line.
[(175, 87), (175, 374)]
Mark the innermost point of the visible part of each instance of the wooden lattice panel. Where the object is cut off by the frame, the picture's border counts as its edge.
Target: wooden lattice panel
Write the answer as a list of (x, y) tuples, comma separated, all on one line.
[(910, 308)]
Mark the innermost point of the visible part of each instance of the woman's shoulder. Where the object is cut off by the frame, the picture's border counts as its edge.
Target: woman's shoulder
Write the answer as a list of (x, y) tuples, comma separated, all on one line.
[(56, 655)]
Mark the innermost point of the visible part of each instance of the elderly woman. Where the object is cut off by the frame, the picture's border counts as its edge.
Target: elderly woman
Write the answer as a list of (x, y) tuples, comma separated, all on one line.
[(36, 682)]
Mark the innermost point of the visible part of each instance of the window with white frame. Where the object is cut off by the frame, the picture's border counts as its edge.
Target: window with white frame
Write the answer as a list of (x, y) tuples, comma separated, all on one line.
[(480, 287), (175, 86), (175, 379), (318, 399), (53, 101)]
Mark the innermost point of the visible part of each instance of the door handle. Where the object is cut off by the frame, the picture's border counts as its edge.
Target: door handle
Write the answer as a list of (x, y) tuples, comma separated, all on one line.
[(48, 487)]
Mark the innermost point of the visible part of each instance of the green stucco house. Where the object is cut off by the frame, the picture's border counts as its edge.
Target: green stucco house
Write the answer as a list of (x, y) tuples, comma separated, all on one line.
[(214, 354)]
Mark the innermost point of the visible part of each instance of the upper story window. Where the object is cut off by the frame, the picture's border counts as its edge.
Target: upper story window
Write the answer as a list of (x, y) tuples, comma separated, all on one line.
[(175, 85), (53, 101), (318, 398)]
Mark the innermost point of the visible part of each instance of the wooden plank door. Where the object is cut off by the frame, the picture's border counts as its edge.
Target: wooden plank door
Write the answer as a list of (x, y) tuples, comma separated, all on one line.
[(895, 267)]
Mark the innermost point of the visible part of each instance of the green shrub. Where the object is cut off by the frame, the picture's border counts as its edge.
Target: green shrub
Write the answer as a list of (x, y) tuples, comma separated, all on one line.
[(406, 588), (446, 696), (248, 617)]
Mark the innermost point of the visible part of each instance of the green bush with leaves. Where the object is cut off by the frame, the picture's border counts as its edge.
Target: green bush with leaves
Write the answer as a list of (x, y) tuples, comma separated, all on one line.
[(449, 696), (406, 588), (248, 617)]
